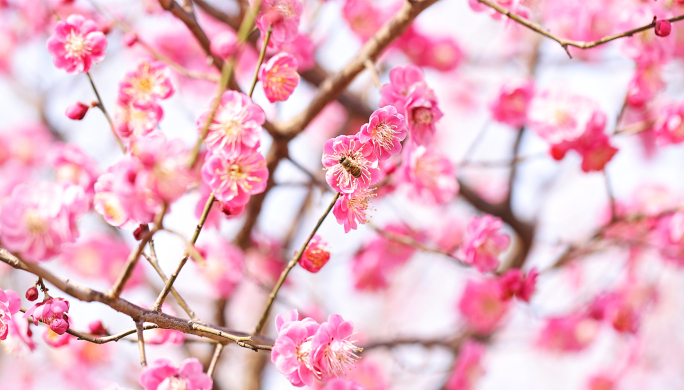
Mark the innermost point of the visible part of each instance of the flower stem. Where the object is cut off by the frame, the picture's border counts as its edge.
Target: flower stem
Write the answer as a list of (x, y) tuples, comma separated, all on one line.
[(262, 54), (106, 114), (290, 265)]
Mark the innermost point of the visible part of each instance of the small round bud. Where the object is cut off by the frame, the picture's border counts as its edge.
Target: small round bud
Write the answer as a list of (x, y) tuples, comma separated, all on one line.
[(77, 111), (139, 231), (59, 326), (105, 27), (32, 294), (663, 28), (129, 39)]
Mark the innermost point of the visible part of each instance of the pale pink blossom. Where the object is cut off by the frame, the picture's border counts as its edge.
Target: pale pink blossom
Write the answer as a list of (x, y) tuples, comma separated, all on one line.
[(357, 155), (10, 303), (233, 178), (350, 209), (52, 312), (342, 384), (385, 130), (223, 266), (279, 77), (281, 15), (131, 122), (363, 17), (39, 218), (29, 142), (644, 48), (430, 175), (511, 105), (76, 44), (316, 255), (302, 48), (56, 340), (482, 305), (570, 333), (468, 369), (19, 336), (644, 86), (265, 259), (669, 129), (402, 81), (73, 166), (601, 382), (224, 44), (163, 375), (145, 85), (332, 349), (77, 111), (483, 243), (441, 53), (292, 351), (129, 39), (236, 124), (116, 197)]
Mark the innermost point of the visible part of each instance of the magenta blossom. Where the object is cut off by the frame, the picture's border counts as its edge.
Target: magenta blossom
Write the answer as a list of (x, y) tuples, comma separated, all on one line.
[(283, 16), (515, 283), (510, 107), (145, 85), (163, 375), (10, 303), (482, 305), (430, 175), (279, 77), (385, 130), (223, 266), (350, 209), (483, 243), (234, 177), (468, 369), (76, 44), (333, 352), (316, 255), (56, 340), (350, 164), (302, 48), (670, 126), (236, 124), (292, 353), (53, 312), (402, 81), (77, 111), (342, 384), (39, 218)]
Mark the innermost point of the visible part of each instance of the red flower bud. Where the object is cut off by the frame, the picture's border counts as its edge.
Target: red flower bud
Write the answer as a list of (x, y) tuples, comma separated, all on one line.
[(97, 328), (139, 231), (129, 39), (32, 294), (77, 111), (663, 28)]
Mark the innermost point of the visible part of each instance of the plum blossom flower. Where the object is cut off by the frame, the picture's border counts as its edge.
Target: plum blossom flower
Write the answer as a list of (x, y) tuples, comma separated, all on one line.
[(669, 129), (223, 265), (224, 44), (56, 340), (10, 303), (350, 209), (279, 77), (234, 177), (302, 48), (357, 155), (163, 375), (385, 130), (515, 283), (342, 384), (570, 333), (292, 350), (468, 369), (430, 175), (28, 143), (236, 124), (283, 16), (316, 255), (332, 349), (73, 166), (483, 243), (76, 44), (644, 86), (441, 53), (482, 305), (131, 122), (39, 218), (511, 105), (51, 311), (116, 198), (363, 17), (145, 85)]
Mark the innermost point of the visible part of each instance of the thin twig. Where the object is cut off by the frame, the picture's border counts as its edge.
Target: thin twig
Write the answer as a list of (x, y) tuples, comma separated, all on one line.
[(141, 343), (293, 262), (154, 262), (101, 106), (413, 243), (262, 54), (374, 73), (214, 359)]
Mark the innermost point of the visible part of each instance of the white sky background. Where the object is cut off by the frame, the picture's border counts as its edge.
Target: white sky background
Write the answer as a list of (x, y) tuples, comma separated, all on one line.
[(421, 299)]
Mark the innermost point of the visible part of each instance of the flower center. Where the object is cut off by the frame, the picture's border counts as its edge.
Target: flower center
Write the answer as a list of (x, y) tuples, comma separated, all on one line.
[(422, 116), (35, 224), (142, 85), (383, 134), (76, 45), (341, 355), (177, 384)]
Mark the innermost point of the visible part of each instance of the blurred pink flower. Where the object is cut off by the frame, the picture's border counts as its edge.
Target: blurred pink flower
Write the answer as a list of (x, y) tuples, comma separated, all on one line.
[(283, 16), (342, 384), (385, 130), (483, 243), (350, 209), (302, 48), (145, 85), (511, 105), (163, 375), (482, 305), (224, 44), (644, 86), (363, 17), (52, 312), (56, 340), (29, 142), (279, 77), (430, 175), (116, 198), (515, 283), (10, 303), (73, 166), (132, 122), (316, 255), (350, 164), (468, 369), (234, 177), (669, 129), (76, 44), (236, 124), (601, 382), (223, 266), (571, 333)]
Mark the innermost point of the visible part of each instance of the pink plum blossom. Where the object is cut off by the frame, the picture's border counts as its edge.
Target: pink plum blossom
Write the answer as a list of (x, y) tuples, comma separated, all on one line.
[(51, 311), (669, 129), (282, 16), (385, 130), (350, 209), (482, 305), (483, 243), (570, 333), (76, 44), (39, 218), (358, 155), (292, 351), (332, 350), (468, 369), (236, 124), (233, 178), (223, 266), (116, 197), (145, 85), (279, 77), (511, 105), (224, 44), (10, 303), (515, 283), (363, 17), (56, 340), (163, 375), (131, 122), (302, 48), (645, 85), (441, 53), (430, 175), (342, 384), (316, 255), (73, 166), (29, 142), (129, 39)]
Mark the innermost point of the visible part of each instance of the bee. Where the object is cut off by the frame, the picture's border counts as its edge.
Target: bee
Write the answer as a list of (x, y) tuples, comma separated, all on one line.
[(350, 166)]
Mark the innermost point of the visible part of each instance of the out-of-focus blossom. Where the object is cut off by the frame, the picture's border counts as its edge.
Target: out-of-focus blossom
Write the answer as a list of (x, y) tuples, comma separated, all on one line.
[(515, 283), (163, 375), (235, 177), (77, 111), (350, 209), (441, 53), (292, 350), (385, 130), (669, 129), (76, 44), (29, 142), (618, 310), (483, 243), (223, 265), (363, 17), (52, 312), (73, 166), (236, 124), (39, 218), (145, 85), (482, 305), (568, 334), (601, 382), (646, 83), (431, 176), (279, 77), (224, 44), (282, 16), (56, 340), (302, 48), (131, 122), (116, 199), (645, 48), (10, 303), (510, 106), (316, 255), (468, 369), (19, 338), (129, 39), (342, 384), (350, 164)]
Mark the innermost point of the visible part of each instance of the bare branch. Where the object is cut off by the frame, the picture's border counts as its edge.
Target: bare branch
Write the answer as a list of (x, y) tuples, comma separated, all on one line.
[(141, 343), (214, 359)]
